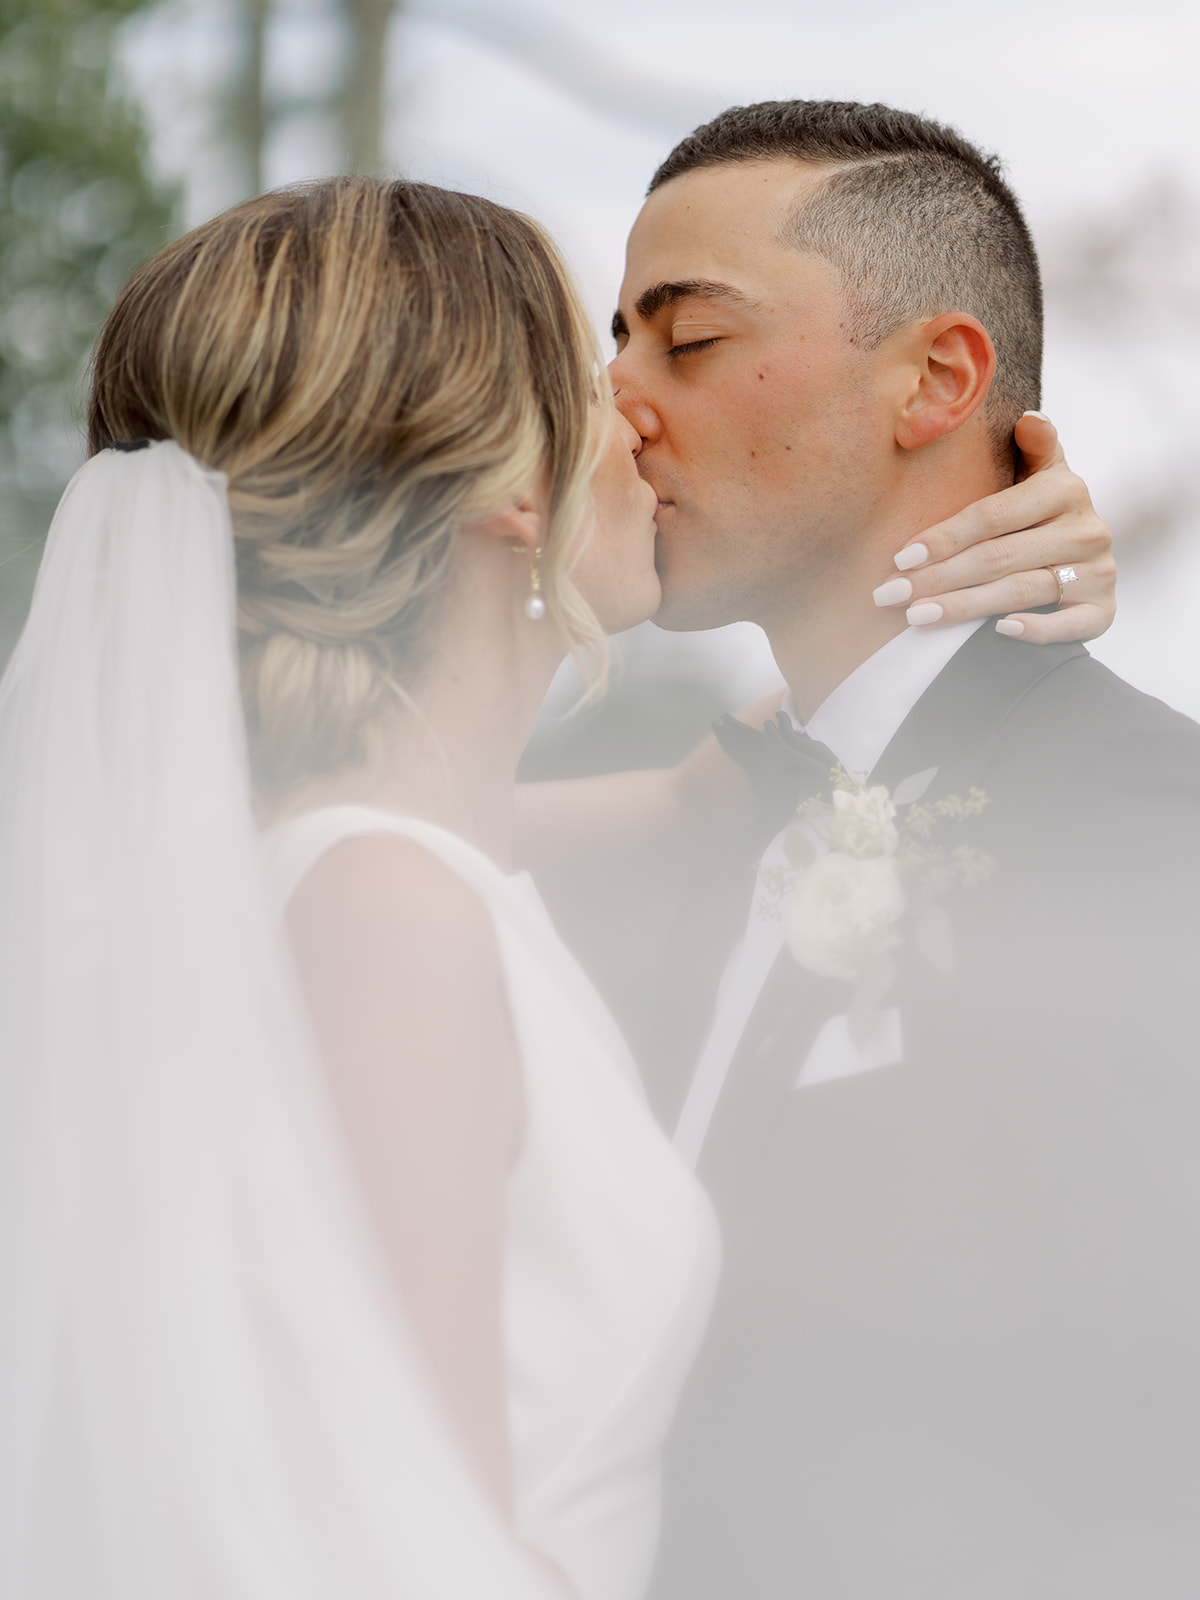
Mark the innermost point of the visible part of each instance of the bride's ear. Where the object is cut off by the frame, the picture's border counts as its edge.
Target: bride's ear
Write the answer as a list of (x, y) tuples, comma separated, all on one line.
[(525, 525), (519, 526)]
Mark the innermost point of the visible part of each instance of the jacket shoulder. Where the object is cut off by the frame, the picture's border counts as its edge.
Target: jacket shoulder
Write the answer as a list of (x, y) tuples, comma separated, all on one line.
[(1083, 717)]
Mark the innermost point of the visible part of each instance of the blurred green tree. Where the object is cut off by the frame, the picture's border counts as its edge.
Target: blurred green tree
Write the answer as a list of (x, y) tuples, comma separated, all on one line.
[(79, 209)]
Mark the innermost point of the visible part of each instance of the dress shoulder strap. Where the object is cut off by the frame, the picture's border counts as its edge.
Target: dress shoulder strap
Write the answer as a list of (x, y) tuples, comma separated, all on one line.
[(294, 847)]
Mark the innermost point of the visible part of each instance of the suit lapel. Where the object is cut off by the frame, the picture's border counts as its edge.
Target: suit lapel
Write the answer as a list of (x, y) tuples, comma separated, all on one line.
[(791, 1007)]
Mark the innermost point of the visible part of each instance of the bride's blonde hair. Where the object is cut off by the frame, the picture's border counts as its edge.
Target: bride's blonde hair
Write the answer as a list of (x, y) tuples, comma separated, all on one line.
[(369, 364)]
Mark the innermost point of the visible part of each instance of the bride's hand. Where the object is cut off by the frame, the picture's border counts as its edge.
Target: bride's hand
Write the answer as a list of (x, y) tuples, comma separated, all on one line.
[(994, 556)]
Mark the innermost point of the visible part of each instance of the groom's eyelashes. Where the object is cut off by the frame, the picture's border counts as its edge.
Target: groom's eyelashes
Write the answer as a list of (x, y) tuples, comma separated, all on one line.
[(691, 347)]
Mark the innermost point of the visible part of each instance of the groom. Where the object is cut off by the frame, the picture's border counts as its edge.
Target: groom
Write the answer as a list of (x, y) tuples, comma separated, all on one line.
[(955, 1355)]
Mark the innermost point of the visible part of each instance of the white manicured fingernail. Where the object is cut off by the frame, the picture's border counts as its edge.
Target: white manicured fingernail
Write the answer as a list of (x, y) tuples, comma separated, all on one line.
[(913, 555), (927, 611), (892, 592), (1041, 414), (1010, 627)]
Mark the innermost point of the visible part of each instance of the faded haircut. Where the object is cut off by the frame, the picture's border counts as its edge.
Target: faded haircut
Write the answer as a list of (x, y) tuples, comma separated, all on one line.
[(915, 222)]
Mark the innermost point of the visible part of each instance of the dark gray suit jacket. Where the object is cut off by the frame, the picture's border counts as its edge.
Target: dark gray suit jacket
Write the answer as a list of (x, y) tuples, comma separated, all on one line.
[(957, 1350)]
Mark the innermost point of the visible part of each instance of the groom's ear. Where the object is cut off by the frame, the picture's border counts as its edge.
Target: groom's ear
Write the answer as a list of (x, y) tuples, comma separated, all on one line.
[(944, 369)]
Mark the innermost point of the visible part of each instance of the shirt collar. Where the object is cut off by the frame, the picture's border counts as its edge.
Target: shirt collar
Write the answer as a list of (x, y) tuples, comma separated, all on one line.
[(861, 717)]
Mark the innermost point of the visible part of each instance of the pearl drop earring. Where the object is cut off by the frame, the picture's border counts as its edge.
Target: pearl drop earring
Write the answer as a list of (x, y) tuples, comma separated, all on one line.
[(535, 606)]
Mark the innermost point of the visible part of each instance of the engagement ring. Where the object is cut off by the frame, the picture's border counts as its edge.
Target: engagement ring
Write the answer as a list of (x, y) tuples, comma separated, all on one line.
[(1063, 576)]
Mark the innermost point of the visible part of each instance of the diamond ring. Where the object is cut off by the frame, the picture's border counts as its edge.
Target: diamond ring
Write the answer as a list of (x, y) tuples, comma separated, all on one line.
[(1063, 576)]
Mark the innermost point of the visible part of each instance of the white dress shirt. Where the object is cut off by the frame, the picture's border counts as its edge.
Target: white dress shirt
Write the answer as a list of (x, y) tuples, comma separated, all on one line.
[(857, 722)]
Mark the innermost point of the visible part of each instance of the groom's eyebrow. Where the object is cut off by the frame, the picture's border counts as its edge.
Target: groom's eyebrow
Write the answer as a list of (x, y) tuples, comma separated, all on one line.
[(659, 296)]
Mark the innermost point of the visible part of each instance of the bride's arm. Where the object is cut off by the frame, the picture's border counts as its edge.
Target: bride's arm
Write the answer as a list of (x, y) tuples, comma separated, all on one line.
[(388, 943), (632, 833)]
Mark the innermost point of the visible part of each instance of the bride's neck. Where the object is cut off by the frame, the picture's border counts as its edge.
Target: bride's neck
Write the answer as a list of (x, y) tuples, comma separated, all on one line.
[(451, 754)]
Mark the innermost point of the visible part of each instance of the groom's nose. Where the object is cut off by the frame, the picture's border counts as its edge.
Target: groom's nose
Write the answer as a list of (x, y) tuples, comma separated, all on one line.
[(632, 403), (629, 433)]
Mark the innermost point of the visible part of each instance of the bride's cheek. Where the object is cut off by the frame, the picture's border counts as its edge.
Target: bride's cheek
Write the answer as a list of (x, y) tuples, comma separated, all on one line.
[(586, 573), (613, 584)]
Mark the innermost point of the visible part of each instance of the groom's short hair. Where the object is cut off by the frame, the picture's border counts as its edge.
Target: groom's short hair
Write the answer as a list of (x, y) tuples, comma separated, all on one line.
[(916, 221)]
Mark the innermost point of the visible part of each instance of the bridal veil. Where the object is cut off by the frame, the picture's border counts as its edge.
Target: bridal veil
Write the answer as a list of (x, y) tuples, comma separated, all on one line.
[(207, 1385)]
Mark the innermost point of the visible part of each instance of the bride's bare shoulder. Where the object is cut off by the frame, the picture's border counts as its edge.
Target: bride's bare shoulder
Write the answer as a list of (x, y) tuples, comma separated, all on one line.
[(388, 939), (400, 966), (388, 885)]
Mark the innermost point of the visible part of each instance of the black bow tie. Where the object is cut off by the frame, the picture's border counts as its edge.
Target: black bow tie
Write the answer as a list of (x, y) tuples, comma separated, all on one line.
[(785, 766)]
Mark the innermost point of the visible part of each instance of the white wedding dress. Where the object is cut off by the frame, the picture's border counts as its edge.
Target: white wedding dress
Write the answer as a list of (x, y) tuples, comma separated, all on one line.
[(209, 1389), (611, 1250)]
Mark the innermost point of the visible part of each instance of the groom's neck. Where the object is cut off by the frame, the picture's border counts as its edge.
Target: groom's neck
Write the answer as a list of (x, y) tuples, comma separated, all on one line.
[(817, 649), (822, 631)]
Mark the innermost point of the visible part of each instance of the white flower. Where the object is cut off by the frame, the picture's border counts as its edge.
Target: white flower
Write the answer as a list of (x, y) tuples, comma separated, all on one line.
[(864, 822), (843, 912)]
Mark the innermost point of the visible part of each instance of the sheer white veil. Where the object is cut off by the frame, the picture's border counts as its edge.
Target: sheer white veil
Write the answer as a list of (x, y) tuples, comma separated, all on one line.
[(207, 1387)]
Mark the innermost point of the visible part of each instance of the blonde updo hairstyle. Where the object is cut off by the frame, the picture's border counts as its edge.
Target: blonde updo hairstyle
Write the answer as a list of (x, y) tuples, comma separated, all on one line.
[(369, 364)]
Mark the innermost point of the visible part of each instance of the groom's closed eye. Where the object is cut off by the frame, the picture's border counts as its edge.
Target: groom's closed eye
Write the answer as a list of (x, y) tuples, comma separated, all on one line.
[(653, 302)]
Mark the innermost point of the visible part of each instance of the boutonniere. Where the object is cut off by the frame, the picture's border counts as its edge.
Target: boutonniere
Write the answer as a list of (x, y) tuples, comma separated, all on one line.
[(847, 911)]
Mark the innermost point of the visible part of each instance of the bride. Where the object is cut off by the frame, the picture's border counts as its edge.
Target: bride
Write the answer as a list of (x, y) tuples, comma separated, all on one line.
[(339, 1252)]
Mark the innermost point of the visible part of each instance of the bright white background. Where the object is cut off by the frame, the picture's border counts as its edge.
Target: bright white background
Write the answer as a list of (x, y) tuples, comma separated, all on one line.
[(564, 108)]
